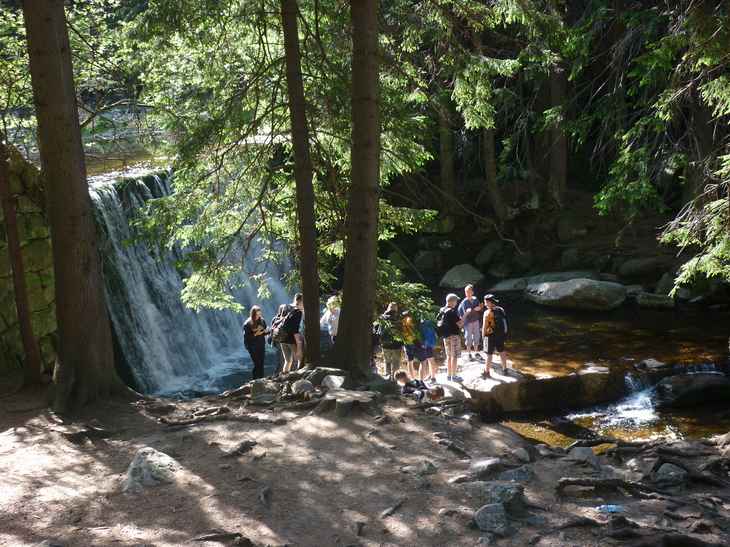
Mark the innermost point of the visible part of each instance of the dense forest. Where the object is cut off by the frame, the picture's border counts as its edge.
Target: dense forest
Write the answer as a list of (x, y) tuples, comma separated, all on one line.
[(375, 151)]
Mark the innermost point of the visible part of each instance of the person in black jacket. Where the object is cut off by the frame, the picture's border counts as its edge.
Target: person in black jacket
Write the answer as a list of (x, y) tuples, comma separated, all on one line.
[(452, 336), (290, 318), (494, 331), (254, 338)]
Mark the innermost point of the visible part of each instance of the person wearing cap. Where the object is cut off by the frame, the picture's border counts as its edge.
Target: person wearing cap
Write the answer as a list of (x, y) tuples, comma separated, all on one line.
[(494, 332)]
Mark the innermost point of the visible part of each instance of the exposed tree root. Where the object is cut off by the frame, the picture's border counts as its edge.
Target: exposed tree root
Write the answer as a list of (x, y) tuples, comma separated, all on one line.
[(636, 489)]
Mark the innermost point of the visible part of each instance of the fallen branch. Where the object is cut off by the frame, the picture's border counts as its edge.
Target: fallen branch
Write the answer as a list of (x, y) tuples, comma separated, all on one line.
[(248, 418), (636, 489)]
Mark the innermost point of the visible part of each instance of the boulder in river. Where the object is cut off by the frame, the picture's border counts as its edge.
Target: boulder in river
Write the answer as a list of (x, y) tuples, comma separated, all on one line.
[(521, 283), (647, 267), (460, 276), (688, 390), (582, 294), (586, 388)]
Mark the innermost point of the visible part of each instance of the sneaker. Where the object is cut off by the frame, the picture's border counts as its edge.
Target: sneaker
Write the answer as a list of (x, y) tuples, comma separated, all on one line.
[(478, 357), (457, 379), (448, 378), (470, 357)]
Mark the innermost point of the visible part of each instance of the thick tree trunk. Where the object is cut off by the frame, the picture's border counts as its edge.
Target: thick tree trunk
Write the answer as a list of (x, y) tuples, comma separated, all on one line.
[(303, 177), (32, 364), (490, 175), (85, 369), (558, 138), (354, 341), (446, 161)]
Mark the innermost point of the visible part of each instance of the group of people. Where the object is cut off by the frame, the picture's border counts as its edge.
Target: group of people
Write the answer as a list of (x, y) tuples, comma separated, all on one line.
[(483, 324)]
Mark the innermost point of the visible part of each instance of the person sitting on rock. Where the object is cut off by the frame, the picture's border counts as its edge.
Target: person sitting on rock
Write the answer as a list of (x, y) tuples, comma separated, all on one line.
[(494, 331), (417, 389)]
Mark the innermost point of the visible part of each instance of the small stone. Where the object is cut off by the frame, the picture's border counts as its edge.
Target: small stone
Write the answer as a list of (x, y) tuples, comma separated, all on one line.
[(301, 387), (333, 382), (487, 539), (149, 467), (583, 454), (670, 475), (493, 518), (521, 474), (485, 468), (521, 454), (511, 495), (422, 469), (544, 451)]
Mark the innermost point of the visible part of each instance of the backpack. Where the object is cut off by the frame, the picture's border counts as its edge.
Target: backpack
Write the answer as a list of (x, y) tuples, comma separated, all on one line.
[(278, 332), (441, 326)]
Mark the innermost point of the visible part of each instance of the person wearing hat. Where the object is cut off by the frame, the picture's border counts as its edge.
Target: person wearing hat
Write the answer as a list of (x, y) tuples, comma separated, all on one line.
[(494, 332)]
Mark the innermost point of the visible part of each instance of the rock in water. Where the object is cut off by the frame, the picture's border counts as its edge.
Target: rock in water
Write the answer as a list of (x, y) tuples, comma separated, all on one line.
[(688, 390), (461, 275), (149, 467), (582, 294), (492, 518)]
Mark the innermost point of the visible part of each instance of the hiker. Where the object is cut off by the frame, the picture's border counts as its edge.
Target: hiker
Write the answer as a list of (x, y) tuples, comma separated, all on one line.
[(417, 389), (448, 326), (390, 339), (429, 339), (254, 338), (285, 329), (470, 313), (331, 317), (298, 303), (411, 343), (494, 331)]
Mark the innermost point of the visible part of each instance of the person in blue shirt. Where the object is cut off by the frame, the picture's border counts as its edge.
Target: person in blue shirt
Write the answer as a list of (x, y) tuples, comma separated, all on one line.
[(429, 339)]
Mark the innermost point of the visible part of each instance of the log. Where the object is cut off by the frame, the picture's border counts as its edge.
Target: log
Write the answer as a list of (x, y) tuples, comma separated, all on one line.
[(636, 489)]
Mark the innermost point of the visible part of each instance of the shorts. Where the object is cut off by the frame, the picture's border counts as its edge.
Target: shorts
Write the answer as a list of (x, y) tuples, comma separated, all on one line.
[(452, 345), (494, 343), (423, 353), (411, 350), (472, 334)]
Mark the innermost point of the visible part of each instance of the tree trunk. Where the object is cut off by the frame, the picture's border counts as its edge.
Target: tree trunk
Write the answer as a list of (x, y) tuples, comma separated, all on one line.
[(490, 175), (303, 177), (446, 161), (85, 369), (32, 364), (354, 341), (558, 138)]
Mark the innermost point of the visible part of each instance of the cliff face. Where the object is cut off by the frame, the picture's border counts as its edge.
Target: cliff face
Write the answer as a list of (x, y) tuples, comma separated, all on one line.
[(25, 184)]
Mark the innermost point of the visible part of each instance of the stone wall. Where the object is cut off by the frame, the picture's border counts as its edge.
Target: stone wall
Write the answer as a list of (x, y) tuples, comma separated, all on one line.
[(38, 265)]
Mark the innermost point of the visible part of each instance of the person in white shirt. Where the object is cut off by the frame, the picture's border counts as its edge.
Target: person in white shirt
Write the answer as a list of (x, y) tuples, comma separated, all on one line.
[(331, 317)]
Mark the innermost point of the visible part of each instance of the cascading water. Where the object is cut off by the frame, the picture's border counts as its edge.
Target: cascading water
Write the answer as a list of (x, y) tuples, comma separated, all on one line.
[(168, 348)]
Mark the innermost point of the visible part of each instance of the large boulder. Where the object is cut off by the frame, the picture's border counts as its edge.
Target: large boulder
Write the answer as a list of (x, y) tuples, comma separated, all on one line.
[(521, 283), (149, 467), (460, 276), (509, 285), (511, 495), (586, 388), (582, 294), (488, 253), (688, 390), (649, 267)]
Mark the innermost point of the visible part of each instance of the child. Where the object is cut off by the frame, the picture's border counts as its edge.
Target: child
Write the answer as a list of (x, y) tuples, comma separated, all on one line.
[(451, 331), (494, 331), (331, 318), (429, 340), (412, 344), (417, 389)]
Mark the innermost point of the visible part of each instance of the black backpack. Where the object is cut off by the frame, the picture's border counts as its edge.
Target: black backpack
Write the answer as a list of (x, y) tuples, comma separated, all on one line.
[(441, 326), (278, 332)]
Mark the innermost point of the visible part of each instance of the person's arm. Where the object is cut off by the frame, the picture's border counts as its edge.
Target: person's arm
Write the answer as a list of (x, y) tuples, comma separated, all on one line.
[(504, 322), (325, 319), (484, 323)]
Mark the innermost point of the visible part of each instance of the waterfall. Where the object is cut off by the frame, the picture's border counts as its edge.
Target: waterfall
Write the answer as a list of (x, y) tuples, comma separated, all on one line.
[(167, 348)]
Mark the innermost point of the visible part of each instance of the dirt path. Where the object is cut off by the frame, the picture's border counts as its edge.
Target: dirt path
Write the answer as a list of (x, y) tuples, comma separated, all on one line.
[(315, 480)]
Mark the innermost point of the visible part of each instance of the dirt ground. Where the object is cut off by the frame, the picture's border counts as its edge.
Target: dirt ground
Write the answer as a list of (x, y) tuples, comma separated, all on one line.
[(310, 480)]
